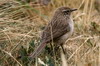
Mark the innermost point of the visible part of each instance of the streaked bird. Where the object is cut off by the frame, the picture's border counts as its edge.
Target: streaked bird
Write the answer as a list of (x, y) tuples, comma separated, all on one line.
[(59, 29)]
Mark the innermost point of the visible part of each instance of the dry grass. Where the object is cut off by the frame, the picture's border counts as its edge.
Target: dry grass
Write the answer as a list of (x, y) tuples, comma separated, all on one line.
[(21, 25)]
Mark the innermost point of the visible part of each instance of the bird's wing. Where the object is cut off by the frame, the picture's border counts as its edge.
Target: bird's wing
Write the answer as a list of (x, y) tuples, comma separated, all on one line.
[(55, 29)]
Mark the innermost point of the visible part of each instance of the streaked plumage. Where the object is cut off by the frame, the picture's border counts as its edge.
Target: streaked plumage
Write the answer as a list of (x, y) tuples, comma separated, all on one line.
[(59, 29)]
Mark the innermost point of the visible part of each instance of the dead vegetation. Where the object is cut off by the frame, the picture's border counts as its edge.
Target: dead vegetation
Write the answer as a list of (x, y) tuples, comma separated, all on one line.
[(21, 25)]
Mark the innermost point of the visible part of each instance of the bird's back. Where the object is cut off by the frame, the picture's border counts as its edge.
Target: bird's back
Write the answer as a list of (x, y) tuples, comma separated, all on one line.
[(57, 28)]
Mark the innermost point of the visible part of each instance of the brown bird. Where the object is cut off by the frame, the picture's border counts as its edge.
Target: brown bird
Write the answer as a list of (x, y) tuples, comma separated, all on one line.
[(58, 30)]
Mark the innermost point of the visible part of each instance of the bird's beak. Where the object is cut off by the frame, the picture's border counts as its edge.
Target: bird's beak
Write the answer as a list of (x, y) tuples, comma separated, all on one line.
[(73, 10)]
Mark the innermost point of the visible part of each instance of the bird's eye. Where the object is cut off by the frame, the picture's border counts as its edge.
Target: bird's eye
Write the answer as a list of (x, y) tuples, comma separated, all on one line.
[(68, 10)]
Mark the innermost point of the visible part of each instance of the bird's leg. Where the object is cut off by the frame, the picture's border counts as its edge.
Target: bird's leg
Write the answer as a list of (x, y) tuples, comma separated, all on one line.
[(63, 49)]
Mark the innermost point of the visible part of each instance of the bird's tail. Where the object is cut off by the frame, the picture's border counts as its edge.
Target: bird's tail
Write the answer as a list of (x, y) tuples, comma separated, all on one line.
[(38, 50)]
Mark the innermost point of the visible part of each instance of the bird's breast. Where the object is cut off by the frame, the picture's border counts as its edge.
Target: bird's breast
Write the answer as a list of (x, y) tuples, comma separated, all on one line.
[(68, 34), (71, 26)]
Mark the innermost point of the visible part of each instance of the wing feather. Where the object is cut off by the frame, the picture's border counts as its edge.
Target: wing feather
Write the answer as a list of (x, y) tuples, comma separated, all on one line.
[(55, 29)]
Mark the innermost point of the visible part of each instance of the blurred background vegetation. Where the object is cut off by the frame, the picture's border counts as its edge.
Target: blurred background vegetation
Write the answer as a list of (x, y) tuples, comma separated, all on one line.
[(21, 24)]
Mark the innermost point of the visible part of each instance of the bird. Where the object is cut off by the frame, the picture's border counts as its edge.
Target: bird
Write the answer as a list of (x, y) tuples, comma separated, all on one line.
[(58, 30)]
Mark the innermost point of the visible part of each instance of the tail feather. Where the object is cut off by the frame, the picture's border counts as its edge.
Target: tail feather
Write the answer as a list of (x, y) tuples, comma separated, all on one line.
[(38, 50)]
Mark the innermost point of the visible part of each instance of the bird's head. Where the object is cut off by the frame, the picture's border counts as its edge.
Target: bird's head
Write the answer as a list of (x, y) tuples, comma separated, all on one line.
[(65, 10)]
